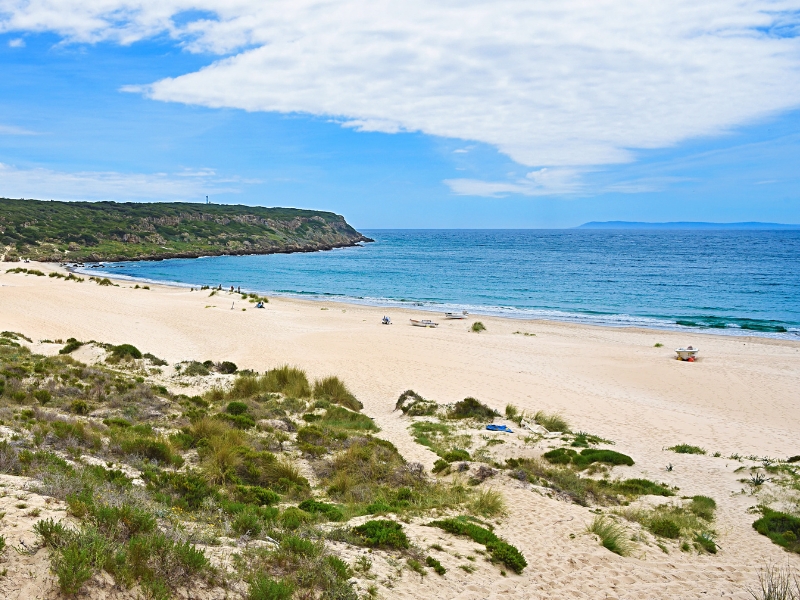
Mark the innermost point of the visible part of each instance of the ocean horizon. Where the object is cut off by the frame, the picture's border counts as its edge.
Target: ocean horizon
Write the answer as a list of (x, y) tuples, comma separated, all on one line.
[(742, 282)]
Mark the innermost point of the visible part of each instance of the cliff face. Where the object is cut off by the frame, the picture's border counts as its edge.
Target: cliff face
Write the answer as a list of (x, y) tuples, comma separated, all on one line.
[(110, 231)]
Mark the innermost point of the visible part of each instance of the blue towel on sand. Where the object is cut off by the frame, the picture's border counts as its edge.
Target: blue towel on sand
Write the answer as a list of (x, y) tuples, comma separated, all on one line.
[(498, 428)]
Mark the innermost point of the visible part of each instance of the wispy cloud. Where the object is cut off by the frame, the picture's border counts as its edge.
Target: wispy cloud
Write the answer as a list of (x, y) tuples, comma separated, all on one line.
[(543, 182), (16, 43), (13, 130), (564, 84), (109, 185)]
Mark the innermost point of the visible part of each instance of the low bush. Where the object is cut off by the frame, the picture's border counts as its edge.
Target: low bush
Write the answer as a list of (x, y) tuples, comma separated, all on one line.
[(477, 327), (330, 511), (687, 449), (703, 507), (435, 565), (266, 588), (588, 456), (470, 408), (414, 405), (382, 534), (71, 345), (255, 494), (43, 396), (226, 367), (783, 529), (124, 352), (665, 527), (500, 550), (456, 455)]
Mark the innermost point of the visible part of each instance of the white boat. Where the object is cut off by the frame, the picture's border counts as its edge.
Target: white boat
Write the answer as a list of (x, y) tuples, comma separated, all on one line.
[(423, 323), (688, 353), (452, 315)]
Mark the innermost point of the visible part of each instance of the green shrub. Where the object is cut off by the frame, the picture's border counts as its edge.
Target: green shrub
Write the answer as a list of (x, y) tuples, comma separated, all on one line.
[(551, 421), (264, 588), (73, 567), (239, 421), (334, 390), (125, 352), (152, 449), (783, 529), (236, 408), (255, 494), (196, 369), (665, 527), (117, 422), (297, 546), (71, 345), (2, 544), (508, 555), (687, 449), (226, 367), (640, 487), (435, 565), (382, 534), (330, 511), (248, 521), (706, 541), (43, 396), (477, 327), (53, 533), (456, 455), (293, 517), (470, 408), (500, 550), (588, 456), (703, 507), (414, 405), (440, 465), (80, 407)]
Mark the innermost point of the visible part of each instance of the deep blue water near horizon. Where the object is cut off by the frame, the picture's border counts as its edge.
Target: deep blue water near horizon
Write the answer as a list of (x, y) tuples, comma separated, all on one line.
[(722, 281)]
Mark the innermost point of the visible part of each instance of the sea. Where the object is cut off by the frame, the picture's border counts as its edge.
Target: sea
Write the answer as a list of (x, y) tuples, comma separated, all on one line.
[(727, 282)]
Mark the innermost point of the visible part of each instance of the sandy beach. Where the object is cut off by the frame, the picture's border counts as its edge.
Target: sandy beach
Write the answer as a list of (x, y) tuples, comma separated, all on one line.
[(740, 397)]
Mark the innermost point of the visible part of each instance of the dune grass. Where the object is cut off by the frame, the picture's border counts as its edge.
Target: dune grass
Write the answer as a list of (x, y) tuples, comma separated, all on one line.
[(687, 449), (551, 421), (613, 535), (334, 390)]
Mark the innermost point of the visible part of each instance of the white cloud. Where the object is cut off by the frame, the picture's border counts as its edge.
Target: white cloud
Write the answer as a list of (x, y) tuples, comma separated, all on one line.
[(570, 83), (16, 43), (14, 130), (550, 181), (109, 185)]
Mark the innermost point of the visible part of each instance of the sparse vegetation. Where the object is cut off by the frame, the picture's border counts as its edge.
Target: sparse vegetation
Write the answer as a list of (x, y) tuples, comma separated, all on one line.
[(613, 536), (499, 550), (782, 528), (776, 583), (551, 421), (477, 327), (565, 456), (687, 449)]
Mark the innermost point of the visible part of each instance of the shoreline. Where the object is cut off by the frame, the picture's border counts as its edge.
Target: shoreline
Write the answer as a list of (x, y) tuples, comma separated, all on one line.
[(482, 311)]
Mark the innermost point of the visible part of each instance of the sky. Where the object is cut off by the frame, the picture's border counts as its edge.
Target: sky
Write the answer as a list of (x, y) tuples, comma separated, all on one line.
[(509, 114)]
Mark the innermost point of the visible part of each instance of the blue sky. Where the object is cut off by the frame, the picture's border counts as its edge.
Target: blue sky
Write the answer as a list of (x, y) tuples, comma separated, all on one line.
[(162, 114)]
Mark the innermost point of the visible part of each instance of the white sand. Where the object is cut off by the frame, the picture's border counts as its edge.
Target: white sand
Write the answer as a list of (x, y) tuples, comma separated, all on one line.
[(742, 396)]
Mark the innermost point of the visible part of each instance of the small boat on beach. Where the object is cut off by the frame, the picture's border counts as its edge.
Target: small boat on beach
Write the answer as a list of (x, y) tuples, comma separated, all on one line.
[(689, 353), (423, 323), (454, 315)]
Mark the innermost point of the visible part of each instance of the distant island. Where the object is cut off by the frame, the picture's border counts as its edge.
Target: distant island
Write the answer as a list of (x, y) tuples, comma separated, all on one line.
[(109, 231), (683, 225)]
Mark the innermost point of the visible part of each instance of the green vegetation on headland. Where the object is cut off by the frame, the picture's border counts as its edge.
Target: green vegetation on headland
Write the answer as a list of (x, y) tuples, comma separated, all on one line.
[(110, 231)]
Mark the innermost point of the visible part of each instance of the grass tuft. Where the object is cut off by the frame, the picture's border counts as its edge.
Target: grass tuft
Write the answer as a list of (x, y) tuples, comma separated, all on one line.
[(613, 536), (687, 449)]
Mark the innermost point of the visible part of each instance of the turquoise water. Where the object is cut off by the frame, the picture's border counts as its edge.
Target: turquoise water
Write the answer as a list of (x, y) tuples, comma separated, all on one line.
[(722, 281)]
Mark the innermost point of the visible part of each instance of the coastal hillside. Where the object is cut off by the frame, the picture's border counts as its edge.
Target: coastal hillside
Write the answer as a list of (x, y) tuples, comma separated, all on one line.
[(93, 231)]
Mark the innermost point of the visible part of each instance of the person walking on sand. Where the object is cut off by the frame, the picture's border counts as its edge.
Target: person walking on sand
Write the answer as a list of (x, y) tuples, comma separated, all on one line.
[(232, 303)]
